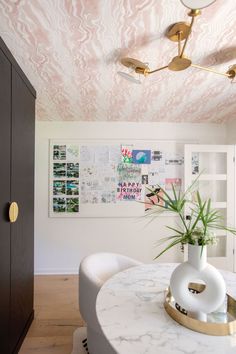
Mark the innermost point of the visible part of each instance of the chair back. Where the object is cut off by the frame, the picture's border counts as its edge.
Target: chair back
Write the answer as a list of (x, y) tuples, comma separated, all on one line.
[(94, 270)]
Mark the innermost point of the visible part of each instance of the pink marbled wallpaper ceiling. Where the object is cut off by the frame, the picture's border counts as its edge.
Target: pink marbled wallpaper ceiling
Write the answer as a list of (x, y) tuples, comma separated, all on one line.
[(70, 50)]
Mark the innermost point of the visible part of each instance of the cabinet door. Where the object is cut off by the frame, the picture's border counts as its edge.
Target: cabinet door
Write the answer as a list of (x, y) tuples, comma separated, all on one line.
[(22, 191), (5, 139), (216, 181)]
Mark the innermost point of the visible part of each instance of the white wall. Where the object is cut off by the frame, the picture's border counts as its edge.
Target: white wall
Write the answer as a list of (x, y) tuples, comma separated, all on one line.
[(61, 243)]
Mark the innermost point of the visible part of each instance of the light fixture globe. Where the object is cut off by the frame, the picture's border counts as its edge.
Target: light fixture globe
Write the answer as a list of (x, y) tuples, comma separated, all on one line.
[(197, 4), (129, 77)]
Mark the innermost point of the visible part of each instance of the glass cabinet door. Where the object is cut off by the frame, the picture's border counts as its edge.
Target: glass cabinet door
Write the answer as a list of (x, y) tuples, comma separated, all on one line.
[(214, 167)]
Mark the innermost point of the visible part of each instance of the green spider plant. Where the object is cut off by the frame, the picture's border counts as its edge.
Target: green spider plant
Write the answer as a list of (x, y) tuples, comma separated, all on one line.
[(199, 228)]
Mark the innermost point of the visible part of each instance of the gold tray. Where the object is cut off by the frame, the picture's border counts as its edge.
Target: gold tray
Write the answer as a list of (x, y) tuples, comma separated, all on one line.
[(215, 323)]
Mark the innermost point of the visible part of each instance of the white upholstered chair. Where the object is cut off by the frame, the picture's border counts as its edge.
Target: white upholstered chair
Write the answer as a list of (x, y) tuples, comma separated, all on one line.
[(93, 272)]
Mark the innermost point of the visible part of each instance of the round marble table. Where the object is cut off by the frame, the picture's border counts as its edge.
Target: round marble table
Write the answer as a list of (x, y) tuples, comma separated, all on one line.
[(133, 319)]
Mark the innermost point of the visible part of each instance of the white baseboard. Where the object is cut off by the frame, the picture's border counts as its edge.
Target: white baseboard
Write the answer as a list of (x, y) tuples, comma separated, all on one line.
[(51, 271)]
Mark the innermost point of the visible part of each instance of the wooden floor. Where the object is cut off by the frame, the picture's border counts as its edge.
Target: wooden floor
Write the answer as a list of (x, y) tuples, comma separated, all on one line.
[(56, 315)]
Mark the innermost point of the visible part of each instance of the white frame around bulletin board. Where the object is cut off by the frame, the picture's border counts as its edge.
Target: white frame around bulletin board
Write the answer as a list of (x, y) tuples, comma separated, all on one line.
[(95, 178)]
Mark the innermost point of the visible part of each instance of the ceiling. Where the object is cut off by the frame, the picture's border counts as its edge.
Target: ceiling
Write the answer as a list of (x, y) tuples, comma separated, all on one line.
[(70, 51)]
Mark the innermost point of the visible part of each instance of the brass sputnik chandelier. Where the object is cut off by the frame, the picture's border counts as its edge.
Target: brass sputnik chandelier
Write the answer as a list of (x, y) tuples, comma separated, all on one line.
[(178, 32)]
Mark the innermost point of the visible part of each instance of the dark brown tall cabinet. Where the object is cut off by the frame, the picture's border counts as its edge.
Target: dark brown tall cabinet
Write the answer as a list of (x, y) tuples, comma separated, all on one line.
[(17, 118)]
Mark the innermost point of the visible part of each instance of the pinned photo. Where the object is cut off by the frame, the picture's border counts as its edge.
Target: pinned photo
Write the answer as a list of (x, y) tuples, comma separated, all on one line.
[(59, 170), (195, 163), (72, 205), (176, 182), (73, 170), (59, 205), (126, 153), (72, 152), (59, 187), (59, 152), (157, 155), (141, 156), (144, 179), (174, 160), (72, 187), (153, 197)]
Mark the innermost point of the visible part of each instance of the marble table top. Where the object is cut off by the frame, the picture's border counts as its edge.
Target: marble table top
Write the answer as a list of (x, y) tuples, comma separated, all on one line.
[(133, 319)]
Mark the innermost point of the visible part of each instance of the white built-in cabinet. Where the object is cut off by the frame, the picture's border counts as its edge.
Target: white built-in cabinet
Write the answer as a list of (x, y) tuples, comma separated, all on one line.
[(216, 166)]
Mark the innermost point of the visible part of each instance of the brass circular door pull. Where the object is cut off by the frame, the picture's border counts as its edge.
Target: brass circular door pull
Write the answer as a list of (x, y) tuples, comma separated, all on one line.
[(13, 212)]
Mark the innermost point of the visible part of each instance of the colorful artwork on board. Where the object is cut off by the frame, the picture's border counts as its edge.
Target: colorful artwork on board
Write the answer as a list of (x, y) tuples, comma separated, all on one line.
[(129, 172), (59, 187), (129, 191), (91, 176), (153, 197), (141, 157), (129, 186), (126, 153), (72, 187), (176, 182)]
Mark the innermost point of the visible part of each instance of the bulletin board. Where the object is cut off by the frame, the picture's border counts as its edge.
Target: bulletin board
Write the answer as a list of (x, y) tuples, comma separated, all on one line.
[(110, 178)]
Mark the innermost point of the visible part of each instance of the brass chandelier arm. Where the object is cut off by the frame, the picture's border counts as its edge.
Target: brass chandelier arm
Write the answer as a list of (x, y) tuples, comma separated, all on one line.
[(178, 32), (187, 38), (211, 70), (159, 69), (179, 43)]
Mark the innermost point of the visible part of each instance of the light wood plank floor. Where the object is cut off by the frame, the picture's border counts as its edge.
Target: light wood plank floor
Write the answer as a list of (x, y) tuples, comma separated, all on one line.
[(56, 315)]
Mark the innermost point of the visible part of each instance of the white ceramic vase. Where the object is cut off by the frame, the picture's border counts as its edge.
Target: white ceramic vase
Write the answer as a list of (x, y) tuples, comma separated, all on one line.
[(197, 268)]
